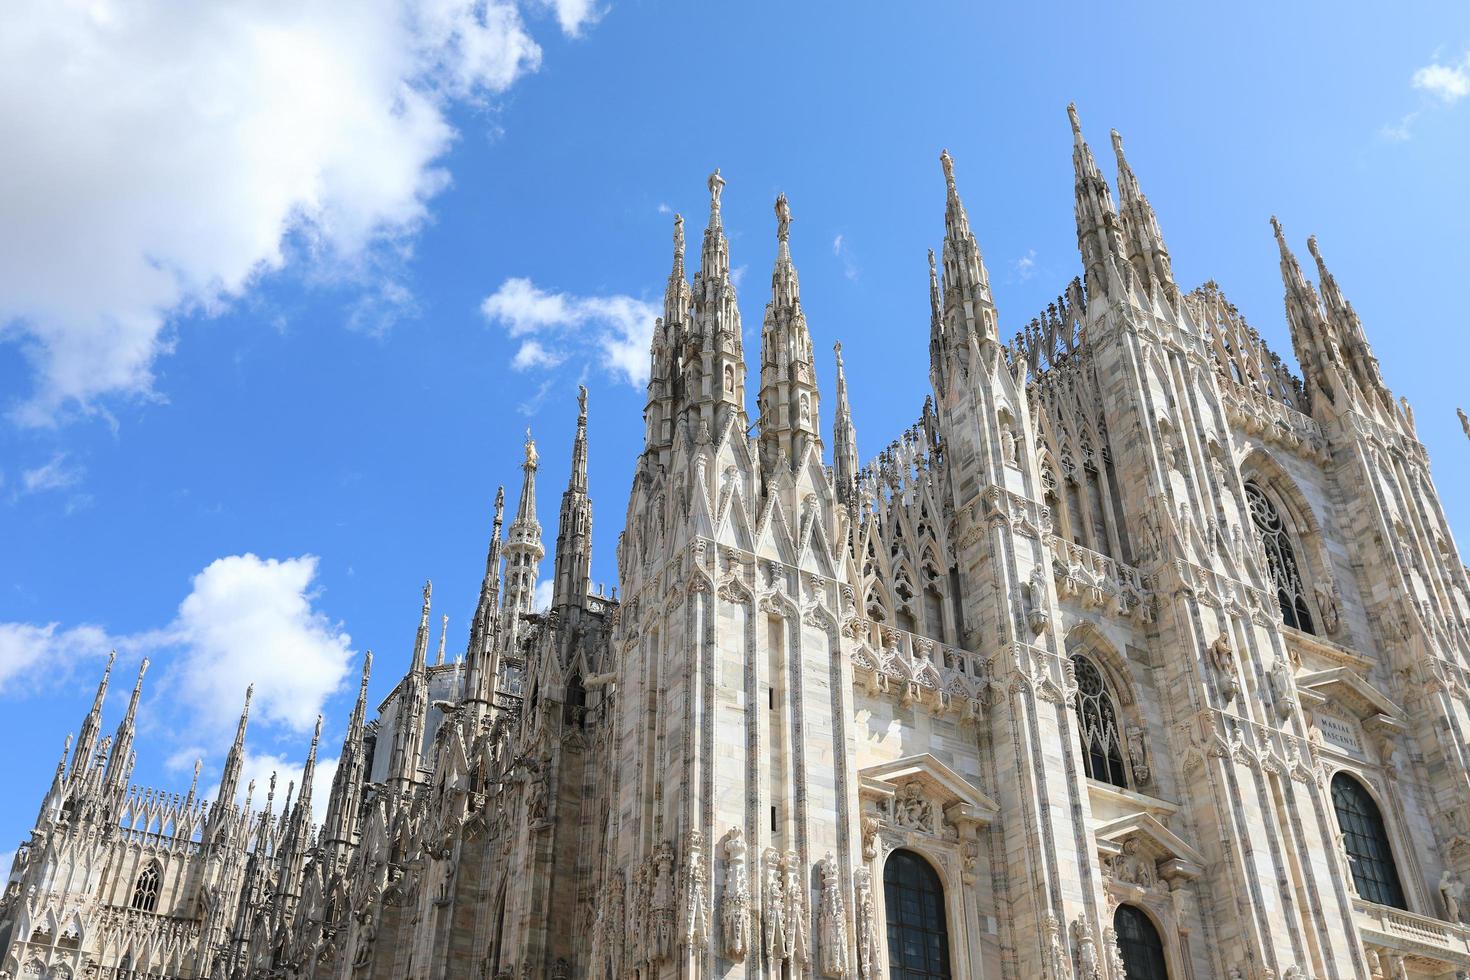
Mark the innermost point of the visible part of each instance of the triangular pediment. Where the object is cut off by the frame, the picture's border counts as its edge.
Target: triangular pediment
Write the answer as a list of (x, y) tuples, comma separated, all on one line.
[(1342, 686), (1162, 843), (956, 795)]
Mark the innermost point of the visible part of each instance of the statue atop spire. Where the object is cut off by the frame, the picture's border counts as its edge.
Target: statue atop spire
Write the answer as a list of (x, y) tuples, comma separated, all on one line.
[(788, 418), (572, 568), (716, 185), (783, 219), (844, 434)]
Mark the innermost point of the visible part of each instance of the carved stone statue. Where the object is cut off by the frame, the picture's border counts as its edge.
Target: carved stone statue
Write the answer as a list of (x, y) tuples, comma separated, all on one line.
[(661, 904), (773, 897), (1452, 895), (696, 911), (1327, 604), (1138, 755), (1222, 657), (1088, 966), (735, 908), (795, 888), (911, 809), (869, 955)]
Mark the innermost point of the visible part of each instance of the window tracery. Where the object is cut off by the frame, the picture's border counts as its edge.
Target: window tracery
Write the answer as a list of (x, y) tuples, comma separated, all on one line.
[(1097, 723), (1281, 561), (145, 890)]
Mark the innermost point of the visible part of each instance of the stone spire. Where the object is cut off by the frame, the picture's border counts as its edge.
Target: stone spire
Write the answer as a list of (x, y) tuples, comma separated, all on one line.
[(443, 632), (339, 827), (413, 708), (119, 762), (1356, 351), (92, 724), (1099, 232), (670, 335), (789, 417), (1311, 334), (844, 433), (229, 782), (969, 310), (479, 658), (573, 565), (523, 550), (714, 357), (1147, 252)]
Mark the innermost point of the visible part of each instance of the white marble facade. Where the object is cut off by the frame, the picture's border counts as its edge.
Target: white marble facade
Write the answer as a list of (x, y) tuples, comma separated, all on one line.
[(1136, 655)]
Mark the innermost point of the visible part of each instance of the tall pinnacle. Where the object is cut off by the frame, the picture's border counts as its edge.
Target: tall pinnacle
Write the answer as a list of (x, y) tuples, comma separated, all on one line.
[(523, 550), (789, 416), (229, 781), (1361, 361), (421, 641), (573, 564), (119, 763), (969, 310), (443, 632), (844, 433), (92, 724), (310, 770), (483, 628), (1145, 242), (342, 807), (1099, 235)]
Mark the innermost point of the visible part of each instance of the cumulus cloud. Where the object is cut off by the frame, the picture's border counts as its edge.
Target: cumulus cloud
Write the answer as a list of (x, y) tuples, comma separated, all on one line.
[(554, 326), (1442, 85), (25, 648), (250, 620), (161, 157), (1448, 83), (545, 589)]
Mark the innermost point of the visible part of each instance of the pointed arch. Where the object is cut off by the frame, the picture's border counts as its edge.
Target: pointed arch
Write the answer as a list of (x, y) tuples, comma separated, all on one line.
[(146, 887), (918, 931)]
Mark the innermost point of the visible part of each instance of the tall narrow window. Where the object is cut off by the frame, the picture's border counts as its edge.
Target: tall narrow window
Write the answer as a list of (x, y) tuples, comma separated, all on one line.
[(145, 890), (918, 938), (1139, 942), (1375, 876), (1281, 563), (1097, 722)]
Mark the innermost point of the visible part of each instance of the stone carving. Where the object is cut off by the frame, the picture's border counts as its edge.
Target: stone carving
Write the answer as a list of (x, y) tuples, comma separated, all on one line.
[(796, 947), (1116, 968), (695, 930), (1132, 866), (1282, 688), (735, 905), (773, 897), (1138, 755), (831, 922), (1451, 895), (870, 837), (912, 810), (1037, 616), (1222, 658), (1088, 965), (1327, 601), (869, 948), (1056, 952), (661, 903)]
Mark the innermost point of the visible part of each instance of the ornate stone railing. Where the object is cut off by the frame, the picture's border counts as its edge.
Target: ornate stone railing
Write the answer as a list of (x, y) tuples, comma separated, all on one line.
[(1261, 415), (1100, 582), (1415, 933), (917, 668)]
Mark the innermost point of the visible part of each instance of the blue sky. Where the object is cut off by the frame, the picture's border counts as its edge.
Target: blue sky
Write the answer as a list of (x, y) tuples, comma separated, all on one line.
[(252, 391)]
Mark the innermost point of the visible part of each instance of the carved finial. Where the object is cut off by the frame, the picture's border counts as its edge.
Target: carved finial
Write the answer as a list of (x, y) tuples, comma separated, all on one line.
[(428, 592), (1072, 115), (783, 219), (531, 456), (1276, 227), (1464, 421), (1312, 247), (837, 349), (582, 401), (679, 235), (443, 632)]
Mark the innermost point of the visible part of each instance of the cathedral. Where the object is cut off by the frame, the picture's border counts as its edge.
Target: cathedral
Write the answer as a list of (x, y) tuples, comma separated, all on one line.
[(1136, 656)]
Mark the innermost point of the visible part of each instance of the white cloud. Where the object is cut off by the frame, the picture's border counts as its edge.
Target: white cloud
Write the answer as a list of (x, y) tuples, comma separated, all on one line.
[(162, 156), (1025, 266), (842, 251), (573, 15), (542, 597), (837, 245), (1448, 83), (618, 329), (258, 767), (26, 648), (533, 355), (250, 620), (7, 860), (663, 208), (57, 473), (737, 276)]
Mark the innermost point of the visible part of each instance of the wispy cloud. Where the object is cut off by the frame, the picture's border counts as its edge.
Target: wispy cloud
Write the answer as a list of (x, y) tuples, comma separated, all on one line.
[(1442, 85), (663, 208), (553, 327), (843, 251), (57, 473), (1025, 266)]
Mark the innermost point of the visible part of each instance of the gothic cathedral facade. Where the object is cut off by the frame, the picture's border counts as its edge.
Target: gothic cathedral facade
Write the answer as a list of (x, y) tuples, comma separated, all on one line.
[(1135, 656)]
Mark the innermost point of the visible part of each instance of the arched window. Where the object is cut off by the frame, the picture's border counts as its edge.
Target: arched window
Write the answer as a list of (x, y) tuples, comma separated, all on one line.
[(1097, 723), (918, 939), (576, 703), (145, 890), (1281, 562), (1375, 876), (1139, 942)]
